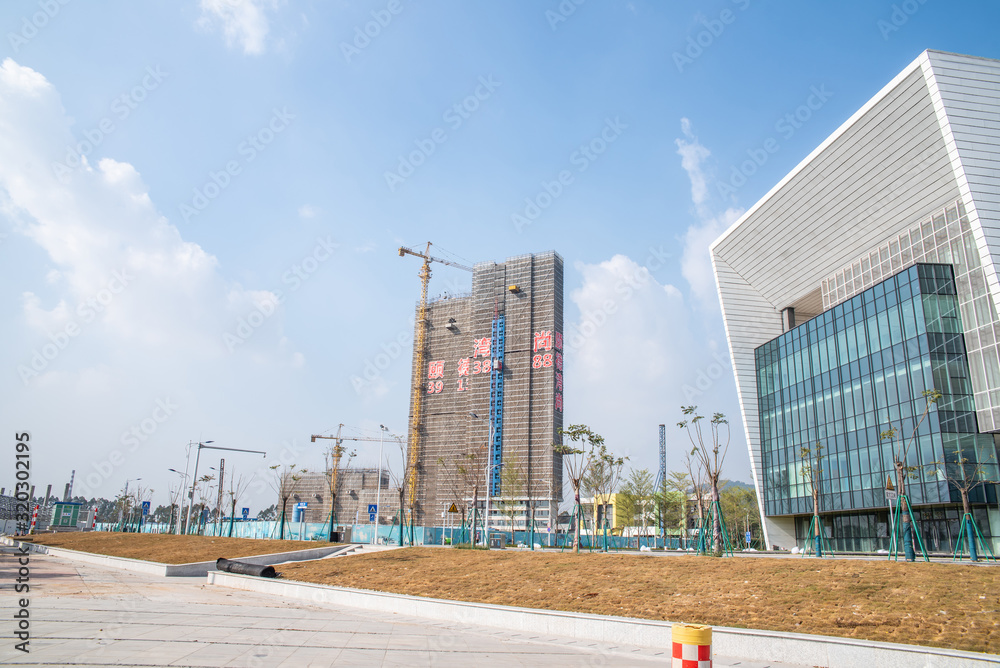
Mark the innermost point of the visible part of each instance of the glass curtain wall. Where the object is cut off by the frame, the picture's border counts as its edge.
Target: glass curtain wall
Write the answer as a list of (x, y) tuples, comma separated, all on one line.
[(853, 372)]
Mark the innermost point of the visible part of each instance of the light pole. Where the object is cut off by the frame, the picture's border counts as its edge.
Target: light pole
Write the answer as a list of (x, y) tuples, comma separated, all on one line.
[(194, 479), (180, 498), (187, 465), (378, 483)]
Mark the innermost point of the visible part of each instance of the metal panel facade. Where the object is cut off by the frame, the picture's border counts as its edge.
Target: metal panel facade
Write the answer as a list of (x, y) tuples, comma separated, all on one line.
[(894, 164)]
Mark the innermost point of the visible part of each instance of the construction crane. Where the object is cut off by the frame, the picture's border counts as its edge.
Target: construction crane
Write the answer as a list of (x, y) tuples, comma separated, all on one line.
[(336, 453), (420, 343)]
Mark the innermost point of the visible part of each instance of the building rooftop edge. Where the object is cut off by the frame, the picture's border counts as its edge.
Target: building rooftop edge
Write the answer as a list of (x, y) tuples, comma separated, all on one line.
[(917, 62)]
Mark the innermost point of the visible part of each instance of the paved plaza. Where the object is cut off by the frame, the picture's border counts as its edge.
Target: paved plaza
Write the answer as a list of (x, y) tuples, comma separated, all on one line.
[(83, 615)]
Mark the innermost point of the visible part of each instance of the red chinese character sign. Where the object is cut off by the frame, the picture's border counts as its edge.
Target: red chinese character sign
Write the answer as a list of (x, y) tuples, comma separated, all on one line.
[(435, 370), (481, 347), (546, 348), (543, 341)]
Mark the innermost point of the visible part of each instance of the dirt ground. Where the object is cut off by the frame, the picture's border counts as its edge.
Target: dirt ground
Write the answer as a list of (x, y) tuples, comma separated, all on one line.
[(168, 548), (939, 604), (944, 605)]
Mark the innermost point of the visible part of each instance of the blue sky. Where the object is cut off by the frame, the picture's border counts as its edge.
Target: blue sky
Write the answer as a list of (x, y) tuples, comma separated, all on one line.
[(221, 263)]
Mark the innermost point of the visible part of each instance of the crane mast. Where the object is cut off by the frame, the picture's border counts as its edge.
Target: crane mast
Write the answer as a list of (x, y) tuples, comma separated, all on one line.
[(419, 359)]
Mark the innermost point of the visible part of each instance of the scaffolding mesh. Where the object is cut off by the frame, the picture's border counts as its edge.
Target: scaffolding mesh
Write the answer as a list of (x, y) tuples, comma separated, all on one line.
[(460, 357)]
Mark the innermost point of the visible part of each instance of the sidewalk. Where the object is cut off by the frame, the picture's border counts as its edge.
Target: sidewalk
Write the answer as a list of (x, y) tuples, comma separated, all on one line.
[(84, 614)]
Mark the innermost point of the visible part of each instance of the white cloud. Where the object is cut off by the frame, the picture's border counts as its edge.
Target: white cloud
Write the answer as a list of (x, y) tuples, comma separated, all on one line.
[(693, 156), (244, 22), (308, 211), (635, 356), (124, 272), (696, 262), (628, 350)]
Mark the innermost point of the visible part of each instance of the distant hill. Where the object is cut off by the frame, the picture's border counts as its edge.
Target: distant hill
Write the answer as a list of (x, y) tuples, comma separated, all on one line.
[(735, 484)]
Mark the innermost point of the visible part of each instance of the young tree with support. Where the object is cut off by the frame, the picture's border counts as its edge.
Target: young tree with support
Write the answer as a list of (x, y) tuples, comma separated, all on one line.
[(285, 482), (469, 467), (335, 467), (635, 499), (710, 451), (812, 470), (680, 484), (204, 494), (605, 476), (577, 461), (903, 530), (237, 488), (401, 483), (513, 479), (965, 476), (697, 476), (174, 494)]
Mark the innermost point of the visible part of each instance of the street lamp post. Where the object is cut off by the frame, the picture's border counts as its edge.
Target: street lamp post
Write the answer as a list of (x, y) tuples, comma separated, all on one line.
[(187, 465), (194, 479), (378, 483), (180, 498), (489, 465)]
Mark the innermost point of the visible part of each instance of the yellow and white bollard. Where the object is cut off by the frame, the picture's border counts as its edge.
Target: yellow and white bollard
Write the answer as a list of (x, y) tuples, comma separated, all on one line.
[(692, 646)]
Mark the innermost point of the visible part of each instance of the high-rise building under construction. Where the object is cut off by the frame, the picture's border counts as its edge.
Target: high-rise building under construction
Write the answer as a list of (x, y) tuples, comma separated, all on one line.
[(491, 397)]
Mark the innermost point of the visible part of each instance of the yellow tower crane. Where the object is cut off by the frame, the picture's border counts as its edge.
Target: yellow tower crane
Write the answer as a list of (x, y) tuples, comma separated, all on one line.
[(419, 351)]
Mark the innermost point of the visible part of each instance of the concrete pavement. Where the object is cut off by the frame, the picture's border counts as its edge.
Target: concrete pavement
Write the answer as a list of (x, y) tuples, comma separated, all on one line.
[(90, 615)]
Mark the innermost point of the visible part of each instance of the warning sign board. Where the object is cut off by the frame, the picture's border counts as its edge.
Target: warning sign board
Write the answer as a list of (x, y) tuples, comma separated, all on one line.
[(453, 509)]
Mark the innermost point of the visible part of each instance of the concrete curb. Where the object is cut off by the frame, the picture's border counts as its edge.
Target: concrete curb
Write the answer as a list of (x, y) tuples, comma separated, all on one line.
[(746, 644), (175, 570)]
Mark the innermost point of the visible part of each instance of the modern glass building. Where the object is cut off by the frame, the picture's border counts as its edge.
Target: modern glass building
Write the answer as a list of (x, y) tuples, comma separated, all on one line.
[(865, 278), (838, 382)]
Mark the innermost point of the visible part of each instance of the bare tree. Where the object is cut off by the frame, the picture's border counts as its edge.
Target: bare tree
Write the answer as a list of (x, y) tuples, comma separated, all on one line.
[(904, 471), (697, 476), (711, 453), (174, 494), (464, 482), (577, 462), (680, 483), (605, 484), (205, 492), (237, 488), (637, 493), (401, 483), (513, 481), (335, 466), (812, 470), (285, 482), (965, 476), (141, 494)]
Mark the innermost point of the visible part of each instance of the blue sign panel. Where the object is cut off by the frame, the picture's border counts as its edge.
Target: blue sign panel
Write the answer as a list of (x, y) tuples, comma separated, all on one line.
[(372, 508), (246, 513), (145, 508), (748, 537)]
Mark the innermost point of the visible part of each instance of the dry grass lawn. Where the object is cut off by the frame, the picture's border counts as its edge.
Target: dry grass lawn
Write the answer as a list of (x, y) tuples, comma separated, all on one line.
[(944, 605), (940, 604), (168, 548)]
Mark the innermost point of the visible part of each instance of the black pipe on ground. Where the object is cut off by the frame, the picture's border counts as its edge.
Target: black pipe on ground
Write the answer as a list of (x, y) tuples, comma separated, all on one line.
[(244, 568)]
